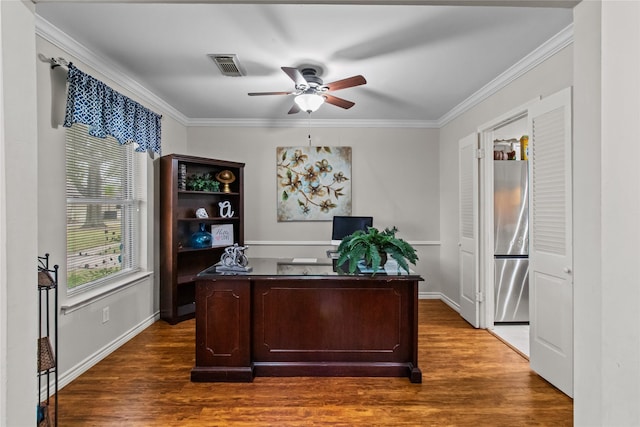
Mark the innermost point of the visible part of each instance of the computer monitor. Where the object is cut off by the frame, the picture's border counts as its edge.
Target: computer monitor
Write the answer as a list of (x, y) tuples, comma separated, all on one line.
[(345, 225)]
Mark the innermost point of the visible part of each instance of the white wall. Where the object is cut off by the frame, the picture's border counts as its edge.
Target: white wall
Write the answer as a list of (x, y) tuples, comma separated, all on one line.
[(18, 274), (607, 208), (620, 367), (587, 200), (395, 179), (550, 76), (84, 339)]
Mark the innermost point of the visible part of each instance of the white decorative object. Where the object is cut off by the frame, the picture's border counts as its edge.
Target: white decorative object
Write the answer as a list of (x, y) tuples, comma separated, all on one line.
[(225, 209), (233, 260), (222, 235), (202, 213)]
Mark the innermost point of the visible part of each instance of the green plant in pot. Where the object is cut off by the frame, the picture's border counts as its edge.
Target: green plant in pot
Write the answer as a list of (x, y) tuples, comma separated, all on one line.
[(204, 182), (373, 246)]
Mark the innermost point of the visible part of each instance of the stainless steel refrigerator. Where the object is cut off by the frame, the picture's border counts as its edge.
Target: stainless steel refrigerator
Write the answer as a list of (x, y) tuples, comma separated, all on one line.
[(511, 238)]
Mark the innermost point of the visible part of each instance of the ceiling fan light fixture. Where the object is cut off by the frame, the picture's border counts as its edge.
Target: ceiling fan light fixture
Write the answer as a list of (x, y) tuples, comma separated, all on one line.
[(309, 102)]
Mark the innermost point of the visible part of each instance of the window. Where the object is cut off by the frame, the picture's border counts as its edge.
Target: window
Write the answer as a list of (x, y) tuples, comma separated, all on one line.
[(103, 209)]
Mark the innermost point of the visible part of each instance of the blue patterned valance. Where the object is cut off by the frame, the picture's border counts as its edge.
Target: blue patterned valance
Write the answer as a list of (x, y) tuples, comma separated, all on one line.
[(108, 112)]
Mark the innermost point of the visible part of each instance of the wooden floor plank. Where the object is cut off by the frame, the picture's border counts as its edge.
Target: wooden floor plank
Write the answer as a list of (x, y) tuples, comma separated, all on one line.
[(470, 378)]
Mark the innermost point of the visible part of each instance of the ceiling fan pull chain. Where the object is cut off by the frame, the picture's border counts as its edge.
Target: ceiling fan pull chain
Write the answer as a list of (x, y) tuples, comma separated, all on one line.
[(309, 116)]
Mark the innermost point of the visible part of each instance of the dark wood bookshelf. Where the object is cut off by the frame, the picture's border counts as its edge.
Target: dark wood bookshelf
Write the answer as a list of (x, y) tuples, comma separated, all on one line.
[(179, 262)]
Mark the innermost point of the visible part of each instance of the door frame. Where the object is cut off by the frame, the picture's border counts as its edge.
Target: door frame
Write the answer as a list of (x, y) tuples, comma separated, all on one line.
[(485, 231)]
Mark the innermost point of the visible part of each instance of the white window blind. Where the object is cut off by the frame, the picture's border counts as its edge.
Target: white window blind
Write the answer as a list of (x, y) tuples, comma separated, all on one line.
[(103, 209)]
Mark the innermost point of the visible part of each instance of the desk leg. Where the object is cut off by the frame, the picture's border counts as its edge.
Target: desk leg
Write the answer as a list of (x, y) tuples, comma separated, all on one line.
[(416, 375)]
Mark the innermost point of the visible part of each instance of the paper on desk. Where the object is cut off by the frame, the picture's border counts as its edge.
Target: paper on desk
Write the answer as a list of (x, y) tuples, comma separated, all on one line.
[(304, 260)]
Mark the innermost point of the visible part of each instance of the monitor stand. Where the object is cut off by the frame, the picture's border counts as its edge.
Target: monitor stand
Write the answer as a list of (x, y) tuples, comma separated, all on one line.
[(332, 254)]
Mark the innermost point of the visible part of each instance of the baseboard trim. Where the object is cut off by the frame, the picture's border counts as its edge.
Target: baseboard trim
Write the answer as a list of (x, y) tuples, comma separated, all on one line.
[(68, 376), (451, 303), (439, 295), (429, 295)]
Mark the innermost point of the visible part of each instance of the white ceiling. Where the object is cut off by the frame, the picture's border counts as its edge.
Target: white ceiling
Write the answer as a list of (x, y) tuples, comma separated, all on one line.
[(420, 62)]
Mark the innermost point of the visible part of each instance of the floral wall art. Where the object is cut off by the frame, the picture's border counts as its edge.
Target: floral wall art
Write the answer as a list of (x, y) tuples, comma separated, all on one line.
[(314, 183)]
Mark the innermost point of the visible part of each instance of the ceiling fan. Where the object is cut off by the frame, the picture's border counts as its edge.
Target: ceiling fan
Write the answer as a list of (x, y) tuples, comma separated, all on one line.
[(310, 92)]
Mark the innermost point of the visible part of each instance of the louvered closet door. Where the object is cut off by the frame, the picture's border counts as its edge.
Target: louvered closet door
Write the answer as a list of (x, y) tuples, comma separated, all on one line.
[(551, 251), (468, 229)]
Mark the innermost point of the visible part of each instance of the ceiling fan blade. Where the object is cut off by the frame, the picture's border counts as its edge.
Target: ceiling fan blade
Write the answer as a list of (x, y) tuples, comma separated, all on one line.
[(338, 102), (294, 109), (268, 93), (296, 76), (345, 83)]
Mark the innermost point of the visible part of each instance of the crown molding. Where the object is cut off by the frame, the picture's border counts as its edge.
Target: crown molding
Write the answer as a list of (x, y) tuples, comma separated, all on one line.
[(532, 60), (52, 34), (314, 123), (568, 4)]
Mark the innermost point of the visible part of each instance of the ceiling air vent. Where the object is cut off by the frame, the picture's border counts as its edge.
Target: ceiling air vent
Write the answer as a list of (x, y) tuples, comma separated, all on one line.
[(228, 64)]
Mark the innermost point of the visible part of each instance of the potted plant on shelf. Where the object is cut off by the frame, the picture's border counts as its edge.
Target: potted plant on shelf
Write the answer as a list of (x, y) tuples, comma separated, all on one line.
[(204, 182), (372, 247)]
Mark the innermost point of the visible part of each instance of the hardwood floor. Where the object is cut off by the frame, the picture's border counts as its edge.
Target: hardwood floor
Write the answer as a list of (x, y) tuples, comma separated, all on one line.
[(470, 378)]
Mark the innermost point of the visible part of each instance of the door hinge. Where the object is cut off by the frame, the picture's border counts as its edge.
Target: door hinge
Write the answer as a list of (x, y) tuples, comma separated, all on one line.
[(479, 154), (479, 297)]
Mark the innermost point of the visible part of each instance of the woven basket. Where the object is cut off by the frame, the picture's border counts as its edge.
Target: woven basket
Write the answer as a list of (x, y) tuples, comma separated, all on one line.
[(45, 354), (45, 279)]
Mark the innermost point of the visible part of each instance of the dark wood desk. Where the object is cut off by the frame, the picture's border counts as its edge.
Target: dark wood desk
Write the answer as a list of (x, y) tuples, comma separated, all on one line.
[(285, 319)]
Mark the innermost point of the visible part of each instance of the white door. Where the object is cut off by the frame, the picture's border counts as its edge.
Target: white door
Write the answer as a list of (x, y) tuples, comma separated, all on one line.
[(468, 229), (550, 250)]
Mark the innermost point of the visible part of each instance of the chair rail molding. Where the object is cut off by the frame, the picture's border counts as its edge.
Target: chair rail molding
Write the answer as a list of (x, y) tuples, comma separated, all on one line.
[(324, 242)]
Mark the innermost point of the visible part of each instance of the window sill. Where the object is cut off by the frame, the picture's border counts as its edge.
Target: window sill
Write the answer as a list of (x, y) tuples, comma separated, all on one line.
[(84, 299)]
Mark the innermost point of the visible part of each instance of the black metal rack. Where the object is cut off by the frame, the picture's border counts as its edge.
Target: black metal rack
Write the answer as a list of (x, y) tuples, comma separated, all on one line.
[(47, 353)]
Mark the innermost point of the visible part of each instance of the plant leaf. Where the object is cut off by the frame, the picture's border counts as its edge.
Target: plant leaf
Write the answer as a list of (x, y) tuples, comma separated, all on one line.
[(368, 246)]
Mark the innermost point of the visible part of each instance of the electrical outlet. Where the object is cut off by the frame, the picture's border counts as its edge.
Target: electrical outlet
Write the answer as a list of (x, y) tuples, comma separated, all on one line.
[(105, 314)]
